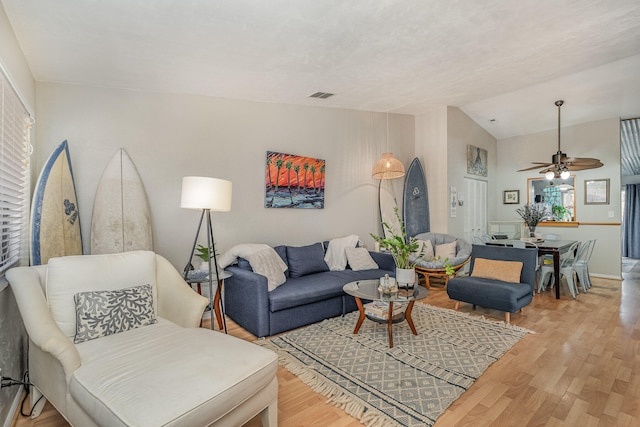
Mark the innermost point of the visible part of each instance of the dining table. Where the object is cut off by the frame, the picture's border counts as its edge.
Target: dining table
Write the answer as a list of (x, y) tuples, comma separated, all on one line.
[(545, 247)]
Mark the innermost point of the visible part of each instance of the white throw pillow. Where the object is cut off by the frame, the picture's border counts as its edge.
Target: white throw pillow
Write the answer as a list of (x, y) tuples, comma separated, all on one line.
[(426, 247), (268, 263), (446, 250), (336, 257), (360, 259)]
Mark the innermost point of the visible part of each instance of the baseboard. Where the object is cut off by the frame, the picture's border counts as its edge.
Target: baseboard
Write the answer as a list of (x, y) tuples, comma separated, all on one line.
[(14, 407), (606, 276)]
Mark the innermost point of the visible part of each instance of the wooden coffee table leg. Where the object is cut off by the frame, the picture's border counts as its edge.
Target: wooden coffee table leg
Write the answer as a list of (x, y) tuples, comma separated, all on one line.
[(407, 316), (362, 316), (390, 324)]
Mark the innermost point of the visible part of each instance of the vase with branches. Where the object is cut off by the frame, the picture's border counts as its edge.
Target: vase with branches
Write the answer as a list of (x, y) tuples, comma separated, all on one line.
[(532, 214)]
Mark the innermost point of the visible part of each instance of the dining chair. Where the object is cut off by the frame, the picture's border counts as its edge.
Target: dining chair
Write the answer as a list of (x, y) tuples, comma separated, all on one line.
[(582, 264), (477, 240), (567, 262)]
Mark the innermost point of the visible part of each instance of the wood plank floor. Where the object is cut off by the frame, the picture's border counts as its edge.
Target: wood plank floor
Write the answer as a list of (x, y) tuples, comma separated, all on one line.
[(582, 368)]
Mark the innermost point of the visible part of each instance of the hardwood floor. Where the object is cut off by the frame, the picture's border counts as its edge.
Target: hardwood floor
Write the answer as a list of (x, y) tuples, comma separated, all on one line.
[(582, 368)]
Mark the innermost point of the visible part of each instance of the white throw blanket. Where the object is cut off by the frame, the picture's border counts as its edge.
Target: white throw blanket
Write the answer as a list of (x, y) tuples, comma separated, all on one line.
[(336, 256), (244, 250)]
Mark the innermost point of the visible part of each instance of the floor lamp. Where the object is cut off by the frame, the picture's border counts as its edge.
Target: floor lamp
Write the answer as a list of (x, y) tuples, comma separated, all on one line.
[(207, 194)]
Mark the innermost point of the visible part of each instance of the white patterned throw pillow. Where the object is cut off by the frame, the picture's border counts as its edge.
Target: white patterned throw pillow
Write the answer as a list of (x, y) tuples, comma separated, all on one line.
[(102, 313)]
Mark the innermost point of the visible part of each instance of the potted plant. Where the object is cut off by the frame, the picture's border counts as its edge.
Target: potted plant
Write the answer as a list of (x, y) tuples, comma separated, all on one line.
[(202, 252), (559, 212), (532, 214), (401, 248)]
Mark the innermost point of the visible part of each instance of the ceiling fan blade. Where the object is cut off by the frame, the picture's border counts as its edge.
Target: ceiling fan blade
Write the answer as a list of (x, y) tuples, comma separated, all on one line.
[(580, 161), (584, 167), (541, 165)]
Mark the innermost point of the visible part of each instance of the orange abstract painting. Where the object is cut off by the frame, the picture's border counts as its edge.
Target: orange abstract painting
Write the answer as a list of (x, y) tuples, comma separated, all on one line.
[(294, 181)]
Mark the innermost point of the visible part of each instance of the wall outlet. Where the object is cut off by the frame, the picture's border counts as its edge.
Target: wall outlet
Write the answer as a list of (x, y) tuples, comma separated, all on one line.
[(611, 213)]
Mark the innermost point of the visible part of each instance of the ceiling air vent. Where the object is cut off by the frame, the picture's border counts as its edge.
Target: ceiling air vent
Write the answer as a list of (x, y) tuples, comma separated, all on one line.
[(321, 95)]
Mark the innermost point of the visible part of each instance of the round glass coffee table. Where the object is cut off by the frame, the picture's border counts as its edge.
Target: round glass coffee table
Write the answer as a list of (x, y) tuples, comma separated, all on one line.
[(368, 290)]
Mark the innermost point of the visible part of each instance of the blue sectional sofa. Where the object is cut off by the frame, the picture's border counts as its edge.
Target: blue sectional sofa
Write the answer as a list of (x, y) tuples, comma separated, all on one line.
[(492, 293), (310, 294)]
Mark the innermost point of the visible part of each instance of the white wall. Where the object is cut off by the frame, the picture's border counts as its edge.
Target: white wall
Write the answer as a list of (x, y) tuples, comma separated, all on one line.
[(431, 149), (599, 139), (463, 131), (442, 136), (171, 136)]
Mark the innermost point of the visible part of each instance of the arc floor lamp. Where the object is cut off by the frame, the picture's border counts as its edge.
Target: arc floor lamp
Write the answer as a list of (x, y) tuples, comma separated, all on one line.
[(206, 194)]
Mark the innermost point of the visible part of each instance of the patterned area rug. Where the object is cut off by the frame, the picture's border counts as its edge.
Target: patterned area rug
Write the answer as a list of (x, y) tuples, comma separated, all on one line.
[(408, 385)]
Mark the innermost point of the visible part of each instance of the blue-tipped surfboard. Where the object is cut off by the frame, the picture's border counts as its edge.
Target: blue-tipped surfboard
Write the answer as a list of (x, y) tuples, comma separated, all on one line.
[(55, 221), (415, 202)]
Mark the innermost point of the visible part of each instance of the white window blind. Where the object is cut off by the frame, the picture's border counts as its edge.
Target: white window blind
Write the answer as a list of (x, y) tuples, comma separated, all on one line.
[(14, 167)]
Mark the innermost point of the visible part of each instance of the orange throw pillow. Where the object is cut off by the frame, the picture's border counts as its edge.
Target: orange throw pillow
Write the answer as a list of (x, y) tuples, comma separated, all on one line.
[(507, 271)]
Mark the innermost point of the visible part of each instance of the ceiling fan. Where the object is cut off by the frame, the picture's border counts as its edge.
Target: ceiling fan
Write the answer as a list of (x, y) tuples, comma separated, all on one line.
[(561, 164)]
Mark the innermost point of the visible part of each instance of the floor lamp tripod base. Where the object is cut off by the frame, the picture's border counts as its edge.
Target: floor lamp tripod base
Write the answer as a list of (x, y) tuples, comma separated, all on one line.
[(206, 215)]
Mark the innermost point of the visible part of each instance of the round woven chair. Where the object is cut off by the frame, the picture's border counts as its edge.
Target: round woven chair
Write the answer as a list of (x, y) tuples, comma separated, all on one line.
[(435, 268)]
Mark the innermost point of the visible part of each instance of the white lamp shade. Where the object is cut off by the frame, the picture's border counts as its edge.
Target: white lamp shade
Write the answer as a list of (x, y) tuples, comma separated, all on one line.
[(200, 192)]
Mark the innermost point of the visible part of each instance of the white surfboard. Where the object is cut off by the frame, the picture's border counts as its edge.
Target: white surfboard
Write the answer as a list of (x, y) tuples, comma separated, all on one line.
[(388, 205), (121, 219), (55, 221)]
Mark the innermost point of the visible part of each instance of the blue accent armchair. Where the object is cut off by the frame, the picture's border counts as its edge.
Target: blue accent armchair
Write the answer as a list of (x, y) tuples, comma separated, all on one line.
[(496, 294)]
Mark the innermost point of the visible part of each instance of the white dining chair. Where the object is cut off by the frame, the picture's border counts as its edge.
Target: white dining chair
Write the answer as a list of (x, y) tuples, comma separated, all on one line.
[(477, 240), (582, 263), (567, 262)]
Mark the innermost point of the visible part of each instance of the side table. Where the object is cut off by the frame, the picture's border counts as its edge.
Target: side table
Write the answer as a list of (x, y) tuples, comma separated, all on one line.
[(216, 305)]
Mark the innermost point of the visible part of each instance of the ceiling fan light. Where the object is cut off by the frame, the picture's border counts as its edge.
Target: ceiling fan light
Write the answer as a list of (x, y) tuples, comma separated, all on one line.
[(550, 175), (565, 174)]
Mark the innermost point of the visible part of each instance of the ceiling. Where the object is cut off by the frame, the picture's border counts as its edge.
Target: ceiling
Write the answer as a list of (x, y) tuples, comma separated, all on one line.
[(496, 59)]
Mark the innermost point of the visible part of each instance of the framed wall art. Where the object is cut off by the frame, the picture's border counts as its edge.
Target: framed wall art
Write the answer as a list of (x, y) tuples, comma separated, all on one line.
[(293, 181), (511, 197), (476, 161), (596, 191)]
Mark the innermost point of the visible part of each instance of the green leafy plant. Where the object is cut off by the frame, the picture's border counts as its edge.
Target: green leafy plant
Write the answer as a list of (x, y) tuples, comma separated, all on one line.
[(559, 212), (202, 252), (448, 267), (399, 246)]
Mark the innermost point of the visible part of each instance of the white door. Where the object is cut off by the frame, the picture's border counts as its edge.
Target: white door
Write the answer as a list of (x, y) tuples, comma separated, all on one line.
[(475, 212)]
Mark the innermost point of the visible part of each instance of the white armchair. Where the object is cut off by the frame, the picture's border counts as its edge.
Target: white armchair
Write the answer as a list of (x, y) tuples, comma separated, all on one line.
[(169, 373)]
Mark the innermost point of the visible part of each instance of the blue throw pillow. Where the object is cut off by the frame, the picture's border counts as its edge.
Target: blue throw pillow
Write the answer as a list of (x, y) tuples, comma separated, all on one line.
[(305, 260)]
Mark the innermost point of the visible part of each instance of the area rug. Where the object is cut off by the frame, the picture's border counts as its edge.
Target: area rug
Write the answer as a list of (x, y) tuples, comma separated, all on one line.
[(408, 385)]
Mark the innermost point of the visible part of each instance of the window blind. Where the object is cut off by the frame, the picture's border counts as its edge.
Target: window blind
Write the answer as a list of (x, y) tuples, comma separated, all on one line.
[(14, 167)]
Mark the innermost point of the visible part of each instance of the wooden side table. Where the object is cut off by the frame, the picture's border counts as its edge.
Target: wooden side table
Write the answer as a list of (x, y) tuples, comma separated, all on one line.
[(216, 305)]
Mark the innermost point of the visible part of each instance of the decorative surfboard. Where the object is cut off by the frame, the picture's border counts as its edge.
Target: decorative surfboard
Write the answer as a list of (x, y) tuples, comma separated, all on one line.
[(415, 202), (55, 222), (388, 205), (121, 219)]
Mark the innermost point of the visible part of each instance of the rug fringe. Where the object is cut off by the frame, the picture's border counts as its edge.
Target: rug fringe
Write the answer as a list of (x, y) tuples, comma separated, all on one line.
[(334, 394)]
